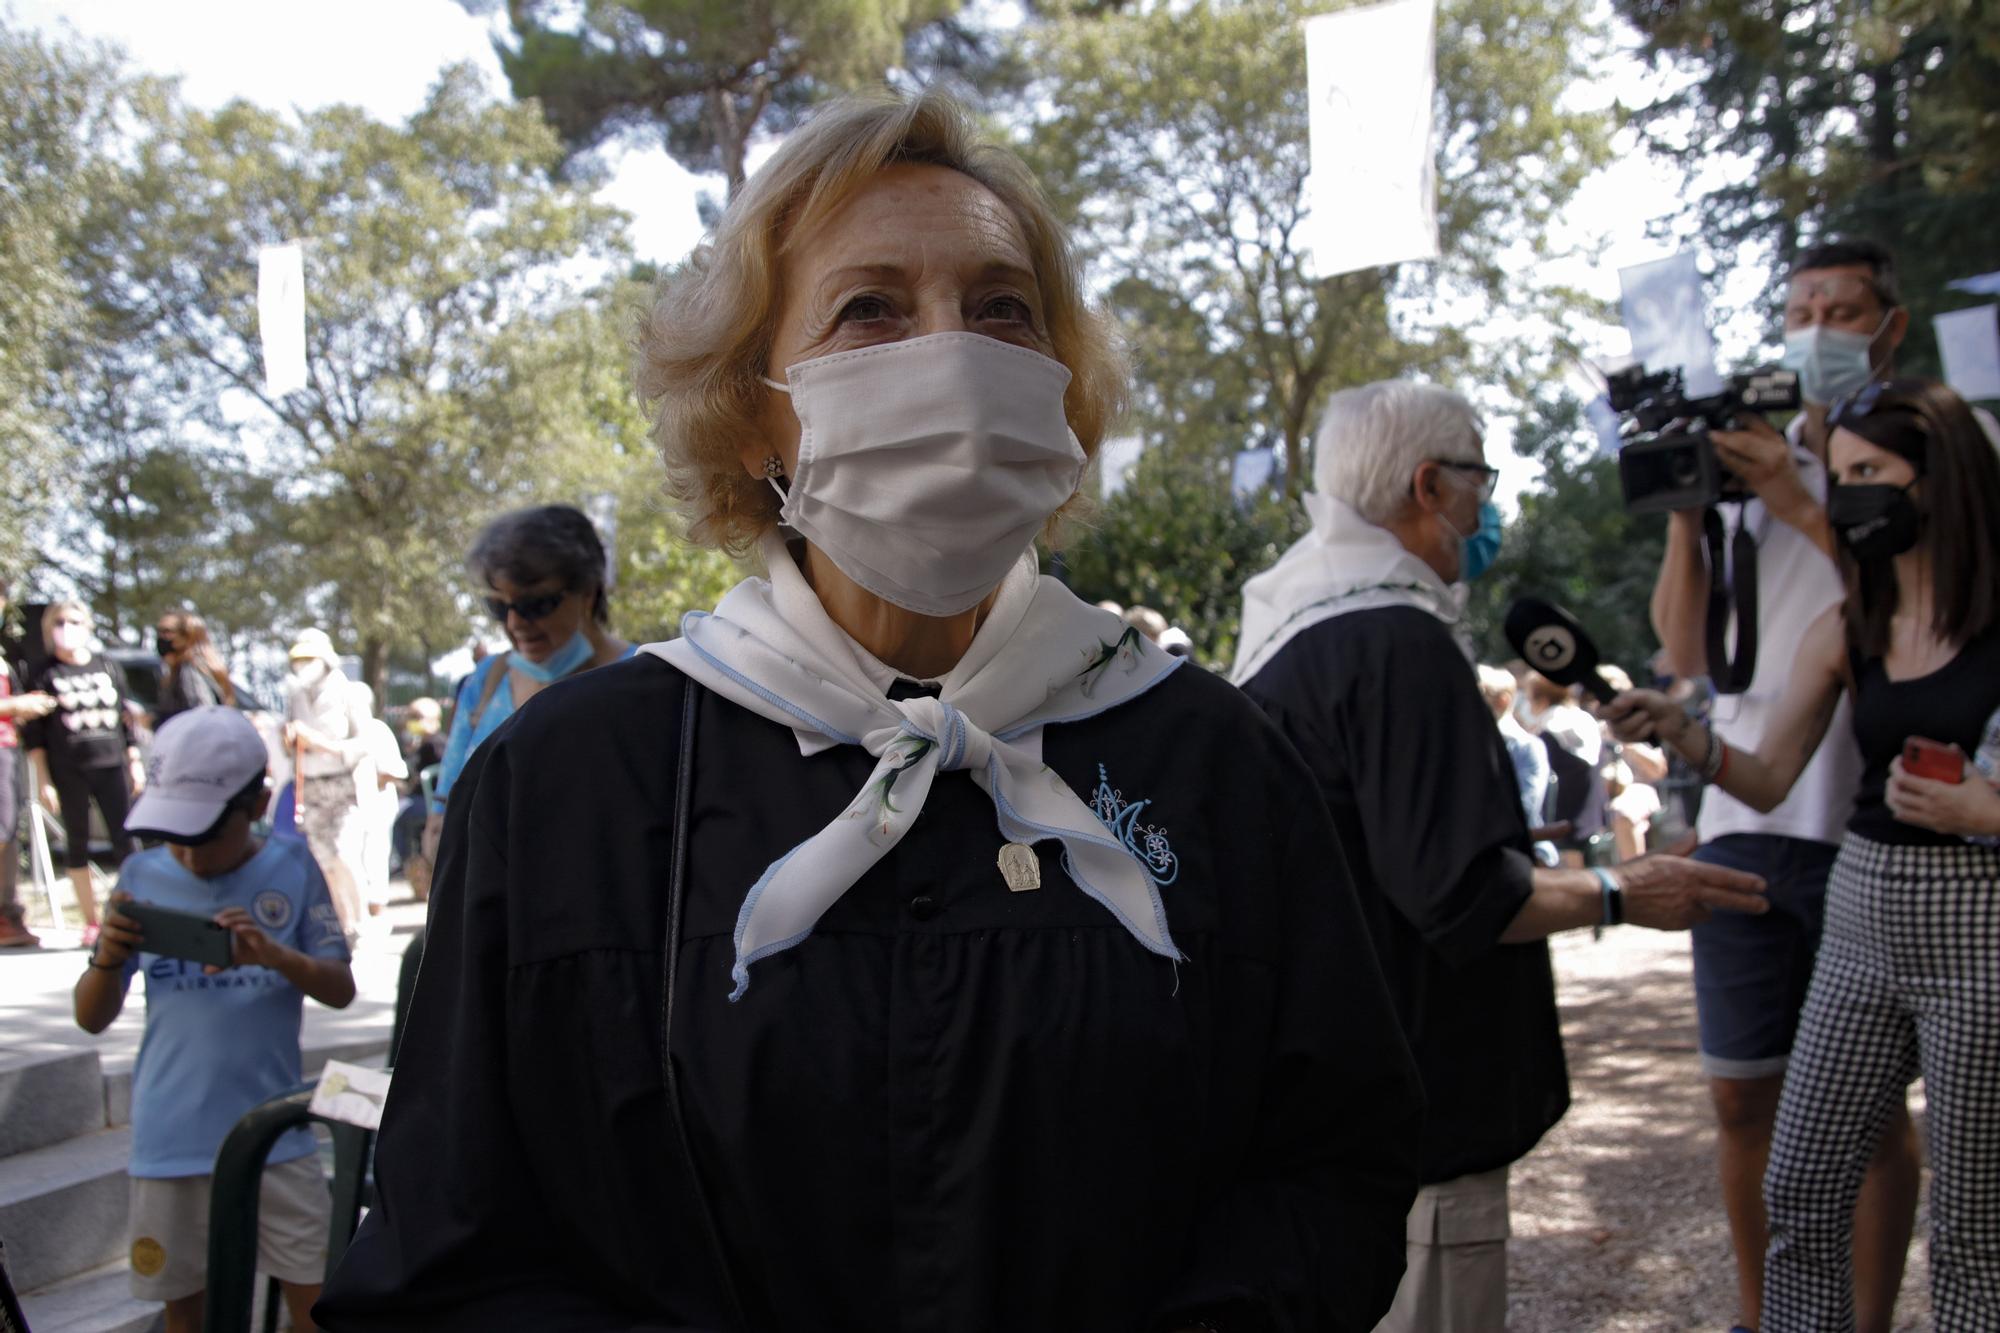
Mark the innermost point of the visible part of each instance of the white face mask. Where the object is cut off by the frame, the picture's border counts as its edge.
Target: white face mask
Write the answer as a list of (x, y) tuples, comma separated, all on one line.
[(67, 638), (1831, 363), (309, 672), (926, 467)]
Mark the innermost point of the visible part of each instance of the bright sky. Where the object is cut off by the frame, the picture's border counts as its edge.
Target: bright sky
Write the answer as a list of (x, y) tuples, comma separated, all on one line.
[(384, 55)]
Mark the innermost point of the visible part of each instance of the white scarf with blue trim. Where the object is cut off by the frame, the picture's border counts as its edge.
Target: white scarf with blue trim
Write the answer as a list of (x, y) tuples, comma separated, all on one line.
[(1345, 563), (1041, 657)]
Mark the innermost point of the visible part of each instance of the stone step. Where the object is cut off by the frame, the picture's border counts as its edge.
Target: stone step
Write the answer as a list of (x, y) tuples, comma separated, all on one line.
[(63, 1207), (46, 1098), (99, 1301)]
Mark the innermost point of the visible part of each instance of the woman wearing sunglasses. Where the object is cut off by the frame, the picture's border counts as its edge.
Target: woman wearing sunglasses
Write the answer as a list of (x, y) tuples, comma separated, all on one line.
[(543, 574), (1908, 978)]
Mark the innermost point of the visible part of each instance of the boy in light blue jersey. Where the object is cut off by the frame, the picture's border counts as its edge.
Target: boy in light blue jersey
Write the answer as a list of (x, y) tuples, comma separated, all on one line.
[(218, 1041)]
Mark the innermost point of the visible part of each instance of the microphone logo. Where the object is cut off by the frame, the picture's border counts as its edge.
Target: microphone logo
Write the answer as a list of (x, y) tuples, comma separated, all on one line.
[(1549, 648)]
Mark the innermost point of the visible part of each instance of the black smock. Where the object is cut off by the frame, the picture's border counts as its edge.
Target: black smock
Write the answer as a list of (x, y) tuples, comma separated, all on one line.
[(953, 1107), (1386, 712)]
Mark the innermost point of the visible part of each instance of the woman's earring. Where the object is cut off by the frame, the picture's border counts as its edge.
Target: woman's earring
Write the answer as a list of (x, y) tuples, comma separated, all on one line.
[(774, 467)]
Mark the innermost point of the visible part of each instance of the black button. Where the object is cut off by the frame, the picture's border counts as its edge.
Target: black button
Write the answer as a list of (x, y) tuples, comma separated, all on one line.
[(923, 907)]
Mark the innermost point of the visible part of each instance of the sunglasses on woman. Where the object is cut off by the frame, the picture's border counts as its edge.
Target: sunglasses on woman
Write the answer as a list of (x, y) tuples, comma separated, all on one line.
[(528, 608)]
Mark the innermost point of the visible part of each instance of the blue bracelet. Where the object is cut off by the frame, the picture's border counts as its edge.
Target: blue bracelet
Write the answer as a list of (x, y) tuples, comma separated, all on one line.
[(1614, 897)]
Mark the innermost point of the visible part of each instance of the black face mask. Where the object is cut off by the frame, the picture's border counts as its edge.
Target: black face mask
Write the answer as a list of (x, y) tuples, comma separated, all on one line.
[(1874, 522)]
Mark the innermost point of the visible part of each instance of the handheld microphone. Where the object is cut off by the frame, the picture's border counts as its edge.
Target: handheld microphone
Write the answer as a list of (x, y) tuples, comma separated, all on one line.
[(1550, 640)]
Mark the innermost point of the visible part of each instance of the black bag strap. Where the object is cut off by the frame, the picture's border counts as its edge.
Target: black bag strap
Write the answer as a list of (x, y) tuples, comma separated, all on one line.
[(1731, 586), (676, 904)]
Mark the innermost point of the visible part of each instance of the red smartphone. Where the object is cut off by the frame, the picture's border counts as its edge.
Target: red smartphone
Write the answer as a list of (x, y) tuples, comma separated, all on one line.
[(1928, 759)]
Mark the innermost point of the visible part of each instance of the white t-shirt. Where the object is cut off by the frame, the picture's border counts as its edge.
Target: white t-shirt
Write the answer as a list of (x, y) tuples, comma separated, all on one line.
[(1570, 727), (1796, 583)]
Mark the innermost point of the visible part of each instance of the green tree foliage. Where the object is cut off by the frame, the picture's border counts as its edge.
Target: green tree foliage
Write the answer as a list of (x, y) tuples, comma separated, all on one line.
[(571, 380), (1853, 117), (1573, 544), (1176, 139), (431, 249), (1174, 539), (706, 76), (58, 107)]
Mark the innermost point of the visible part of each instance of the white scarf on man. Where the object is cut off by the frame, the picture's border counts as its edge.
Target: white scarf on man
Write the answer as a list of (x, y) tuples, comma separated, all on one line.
[(1041, 657), (1344, 564)]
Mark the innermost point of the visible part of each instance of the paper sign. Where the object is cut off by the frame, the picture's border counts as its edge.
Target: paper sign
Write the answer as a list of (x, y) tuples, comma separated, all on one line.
[(351, 1094), (1665, 315), (1115, 461), (1250, 472), (1969, 345), (1373, 192), (281, 317), (1604, 421), (1983, 284)]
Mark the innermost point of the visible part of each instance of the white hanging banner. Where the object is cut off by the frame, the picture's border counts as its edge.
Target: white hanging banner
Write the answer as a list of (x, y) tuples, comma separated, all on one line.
[(1373, 190), (281, 316), (1969, 346), (1665, 314)]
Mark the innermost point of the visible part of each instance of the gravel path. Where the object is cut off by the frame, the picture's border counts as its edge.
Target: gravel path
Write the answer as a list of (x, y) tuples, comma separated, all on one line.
[(1618, 1222)]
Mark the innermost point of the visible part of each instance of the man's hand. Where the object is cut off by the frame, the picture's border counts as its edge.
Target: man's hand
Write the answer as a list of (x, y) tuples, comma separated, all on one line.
[(1967, 809), (118, 935), (1665, 891), (137, 767), (1763, 459), (51, 799)]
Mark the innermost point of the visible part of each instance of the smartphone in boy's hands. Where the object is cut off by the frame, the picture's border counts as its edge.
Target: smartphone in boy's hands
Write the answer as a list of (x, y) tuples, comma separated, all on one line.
[(172, 933)]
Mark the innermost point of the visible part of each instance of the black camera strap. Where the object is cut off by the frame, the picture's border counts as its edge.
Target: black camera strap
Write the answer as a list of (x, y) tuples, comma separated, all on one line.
[(1731, 584)]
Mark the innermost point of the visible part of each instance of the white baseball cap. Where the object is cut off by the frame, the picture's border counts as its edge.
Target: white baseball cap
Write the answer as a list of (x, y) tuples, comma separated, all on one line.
[(200, 759)]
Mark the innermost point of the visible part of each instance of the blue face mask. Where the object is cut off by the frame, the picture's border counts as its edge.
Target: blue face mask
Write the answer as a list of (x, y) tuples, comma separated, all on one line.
[(1482, 548), (561, 662)]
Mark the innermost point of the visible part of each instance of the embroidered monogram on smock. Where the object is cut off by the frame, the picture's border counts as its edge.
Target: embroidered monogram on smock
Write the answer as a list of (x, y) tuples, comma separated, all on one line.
[(1148, 842)]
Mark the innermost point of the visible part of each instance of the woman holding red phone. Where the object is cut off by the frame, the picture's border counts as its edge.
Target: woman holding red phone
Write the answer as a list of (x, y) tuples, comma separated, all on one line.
[(1908, 978)]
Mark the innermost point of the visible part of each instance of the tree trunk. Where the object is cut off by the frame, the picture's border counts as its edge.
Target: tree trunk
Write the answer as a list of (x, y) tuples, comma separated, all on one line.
[(375, 669)]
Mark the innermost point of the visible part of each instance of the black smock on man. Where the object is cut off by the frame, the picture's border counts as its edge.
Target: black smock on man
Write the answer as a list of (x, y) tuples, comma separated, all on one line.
[(953, 1108), (1424, 802), (1348, 645)]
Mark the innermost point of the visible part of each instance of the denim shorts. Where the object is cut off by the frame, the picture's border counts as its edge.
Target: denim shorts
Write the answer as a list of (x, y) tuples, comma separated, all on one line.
[(1751, 973)]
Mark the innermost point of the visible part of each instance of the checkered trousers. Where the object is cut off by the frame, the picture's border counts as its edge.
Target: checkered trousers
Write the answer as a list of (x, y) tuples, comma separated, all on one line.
[(1907, 983)]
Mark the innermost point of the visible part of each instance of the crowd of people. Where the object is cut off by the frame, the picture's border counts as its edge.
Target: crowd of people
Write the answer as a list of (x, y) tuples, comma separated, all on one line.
[(909, 943)]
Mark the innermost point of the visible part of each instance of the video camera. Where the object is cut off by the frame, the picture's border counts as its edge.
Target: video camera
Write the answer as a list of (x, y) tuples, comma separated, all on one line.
[(1669, 462)]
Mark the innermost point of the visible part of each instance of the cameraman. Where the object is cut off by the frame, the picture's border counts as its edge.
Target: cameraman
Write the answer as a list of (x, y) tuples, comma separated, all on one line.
[(1843, 323)]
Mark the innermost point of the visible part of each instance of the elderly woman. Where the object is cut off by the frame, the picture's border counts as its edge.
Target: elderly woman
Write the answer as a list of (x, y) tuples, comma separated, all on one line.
[(907, 945)]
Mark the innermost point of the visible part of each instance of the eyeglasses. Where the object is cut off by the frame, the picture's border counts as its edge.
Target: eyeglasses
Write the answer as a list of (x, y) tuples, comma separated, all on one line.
[(1489, 477), (536, 607)]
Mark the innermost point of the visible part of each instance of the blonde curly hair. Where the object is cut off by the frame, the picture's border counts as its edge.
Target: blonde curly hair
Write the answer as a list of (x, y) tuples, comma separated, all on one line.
[(704, 345)]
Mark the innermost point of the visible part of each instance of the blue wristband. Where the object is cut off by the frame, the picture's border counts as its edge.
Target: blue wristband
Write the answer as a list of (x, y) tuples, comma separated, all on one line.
[(1614, 897)]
